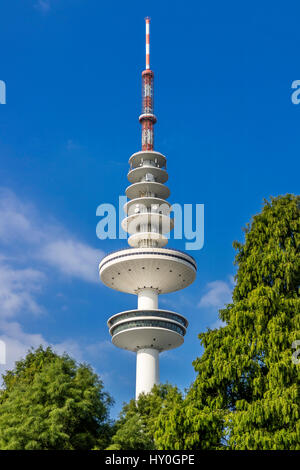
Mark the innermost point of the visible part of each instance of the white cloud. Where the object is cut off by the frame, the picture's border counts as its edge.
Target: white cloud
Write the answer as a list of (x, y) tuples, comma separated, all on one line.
[(218, 293), (18, 288), (23, 230), (73, 258), (17, 220), (31, 247), (17, 344)]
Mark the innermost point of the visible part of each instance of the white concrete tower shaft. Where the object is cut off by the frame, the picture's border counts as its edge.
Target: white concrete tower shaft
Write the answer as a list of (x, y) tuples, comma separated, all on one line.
[(147, 360), (147, 268), (147, 370), (147, 299)]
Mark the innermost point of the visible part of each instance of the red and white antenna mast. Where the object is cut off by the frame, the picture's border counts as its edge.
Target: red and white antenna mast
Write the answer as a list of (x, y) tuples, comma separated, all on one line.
[(147, 118)]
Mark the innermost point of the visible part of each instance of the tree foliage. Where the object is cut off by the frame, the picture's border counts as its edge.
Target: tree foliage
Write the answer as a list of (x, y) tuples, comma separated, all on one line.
[(137, 423), (50, 402), (246, 394)]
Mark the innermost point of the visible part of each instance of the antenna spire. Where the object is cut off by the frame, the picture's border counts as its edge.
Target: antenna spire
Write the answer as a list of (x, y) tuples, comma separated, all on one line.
[(147, 19), (147, 118)]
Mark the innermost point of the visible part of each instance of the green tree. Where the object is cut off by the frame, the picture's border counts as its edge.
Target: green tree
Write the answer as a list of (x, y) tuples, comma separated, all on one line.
[(138, 420), (246, 394), (50, 402)]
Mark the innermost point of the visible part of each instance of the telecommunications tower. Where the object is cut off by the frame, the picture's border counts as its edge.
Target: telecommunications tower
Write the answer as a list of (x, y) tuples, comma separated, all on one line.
[(147, 269)]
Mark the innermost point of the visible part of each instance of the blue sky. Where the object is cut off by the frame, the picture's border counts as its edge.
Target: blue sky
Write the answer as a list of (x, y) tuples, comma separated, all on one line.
[(226, 122)]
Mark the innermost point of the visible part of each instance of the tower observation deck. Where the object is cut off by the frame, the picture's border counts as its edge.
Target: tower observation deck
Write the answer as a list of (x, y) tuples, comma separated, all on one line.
[(147, 268)]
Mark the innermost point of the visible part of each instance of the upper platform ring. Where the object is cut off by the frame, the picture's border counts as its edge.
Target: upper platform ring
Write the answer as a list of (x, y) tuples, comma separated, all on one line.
[(147, 188), (137, 158), (137, 174)]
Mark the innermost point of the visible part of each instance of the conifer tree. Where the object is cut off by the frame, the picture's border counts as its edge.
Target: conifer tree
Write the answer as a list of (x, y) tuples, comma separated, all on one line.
[(51, 403), (137, 422), (246, 394)]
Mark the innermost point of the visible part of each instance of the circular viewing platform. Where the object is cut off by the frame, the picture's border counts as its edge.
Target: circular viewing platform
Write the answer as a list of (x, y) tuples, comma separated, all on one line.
[(137, 174), (132, 223), (163, 269), (147, 188), (139, 329), (138, 158), (145, 203)]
